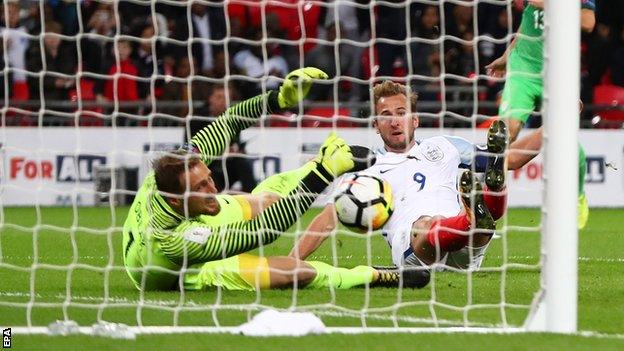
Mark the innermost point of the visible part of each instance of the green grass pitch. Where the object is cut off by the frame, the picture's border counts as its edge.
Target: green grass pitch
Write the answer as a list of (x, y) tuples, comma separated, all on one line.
[(89, 240)]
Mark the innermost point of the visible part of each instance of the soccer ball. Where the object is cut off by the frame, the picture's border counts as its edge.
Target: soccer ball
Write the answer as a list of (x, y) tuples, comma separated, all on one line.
[(363, 202)]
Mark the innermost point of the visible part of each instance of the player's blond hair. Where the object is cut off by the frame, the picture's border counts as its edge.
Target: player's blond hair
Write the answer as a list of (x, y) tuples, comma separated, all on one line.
[(390, 88), (169, 168)]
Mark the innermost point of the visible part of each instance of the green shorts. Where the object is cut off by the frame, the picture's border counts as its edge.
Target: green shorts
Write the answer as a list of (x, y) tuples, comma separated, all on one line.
[(520, 96)]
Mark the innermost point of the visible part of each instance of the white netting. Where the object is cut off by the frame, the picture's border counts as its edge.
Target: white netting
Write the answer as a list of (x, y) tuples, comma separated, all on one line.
[(121, 80)]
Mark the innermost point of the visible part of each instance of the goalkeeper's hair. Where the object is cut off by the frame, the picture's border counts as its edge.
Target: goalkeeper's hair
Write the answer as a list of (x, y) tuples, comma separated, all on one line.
[(169, 168), (390, 88)]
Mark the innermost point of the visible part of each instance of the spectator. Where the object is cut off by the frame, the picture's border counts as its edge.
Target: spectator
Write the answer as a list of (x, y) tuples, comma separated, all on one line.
[(425, 54), (488, 50), (390, 24), (345, 15), (238, 34), (363, 14), (66, 14), (17, 43), (149, 65), (216, 98), (427, 29), (97, 47), (462, 21), (324, 56), (289, 52), (456, 29), (429, 91), (133, 15), (119, 87), (250, 62), (617, 63), (599, 47), (219, 69), (60, 65), (176, 90), (464, 60), (208, 23), (32, 21), (122, 88)]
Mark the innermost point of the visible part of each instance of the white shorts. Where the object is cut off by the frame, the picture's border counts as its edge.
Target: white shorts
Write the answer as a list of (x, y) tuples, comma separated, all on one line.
[(467, 258)]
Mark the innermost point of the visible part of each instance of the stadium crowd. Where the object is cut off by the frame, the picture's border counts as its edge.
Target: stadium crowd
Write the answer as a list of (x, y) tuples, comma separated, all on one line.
[(138, 62)]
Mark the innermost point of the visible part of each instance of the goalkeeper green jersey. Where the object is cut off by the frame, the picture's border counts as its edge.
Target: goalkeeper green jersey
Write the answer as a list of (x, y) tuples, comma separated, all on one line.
[(528, 54), (158, 243)]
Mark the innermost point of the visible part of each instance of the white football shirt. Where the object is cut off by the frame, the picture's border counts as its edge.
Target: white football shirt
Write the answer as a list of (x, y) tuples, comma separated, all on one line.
[(424, 183)]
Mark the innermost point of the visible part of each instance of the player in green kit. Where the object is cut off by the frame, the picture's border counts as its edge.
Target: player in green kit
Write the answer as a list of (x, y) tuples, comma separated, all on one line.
[(177, 237), (523, 62)]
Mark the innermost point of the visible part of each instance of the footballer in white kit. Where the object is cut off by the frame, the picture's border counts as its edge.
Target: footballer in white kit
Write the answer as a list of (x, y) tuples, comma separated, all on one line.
[(424, 183), (432, 221)]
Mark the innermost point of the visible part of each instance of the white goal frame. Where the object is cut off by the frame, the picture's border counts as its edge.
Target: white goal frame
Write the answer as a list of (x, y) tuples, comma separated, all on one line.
[(557, 307)]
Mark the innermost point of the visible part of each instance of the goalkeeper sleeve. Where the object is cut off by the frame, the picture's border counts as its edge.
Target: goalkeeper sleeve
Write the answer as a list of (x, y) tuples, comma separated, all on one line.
[(213, 139), (196, 242)]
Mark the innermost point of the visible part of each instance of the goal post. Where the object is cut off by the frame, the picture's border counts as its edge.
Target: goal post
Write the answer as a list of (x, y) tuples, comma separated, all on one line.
[(561, 101)]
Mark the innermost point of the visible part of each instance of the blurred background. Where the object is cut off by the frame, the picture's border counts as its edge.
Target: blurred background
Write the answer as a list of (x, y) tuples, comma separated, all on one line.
[(94, 63)]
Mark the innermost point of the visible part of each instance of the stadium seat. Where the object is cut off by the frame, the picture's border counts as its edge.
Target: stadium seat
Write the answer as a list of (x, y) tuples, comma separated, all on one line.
[(612, 98)]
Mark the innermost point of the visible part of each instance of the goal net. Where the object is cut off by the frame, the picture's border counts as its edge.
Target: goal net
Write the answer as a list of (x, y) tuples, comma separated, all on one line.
[(93, 90)]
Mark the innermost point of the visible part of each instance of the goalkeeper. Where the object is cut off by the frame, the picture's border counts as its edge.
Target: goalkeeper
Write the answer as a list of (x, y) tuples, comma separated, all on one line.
[(523, 90), (170, 241)]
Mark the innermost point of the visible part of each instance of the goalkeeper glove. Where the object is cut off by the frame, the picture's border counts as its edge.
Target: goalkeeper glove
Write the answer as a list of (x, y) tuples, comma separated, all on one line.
[(337, 158), (297, 85)]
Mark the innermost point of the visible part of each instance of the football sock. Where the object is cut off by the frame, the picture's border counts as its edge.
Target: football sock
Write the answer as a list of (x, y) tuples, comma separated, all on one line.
[(444, 233), (339, 278), (496, 202), (582, 170), (583, 207)]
